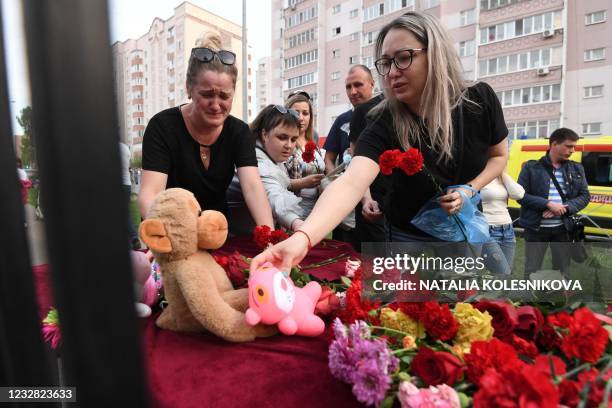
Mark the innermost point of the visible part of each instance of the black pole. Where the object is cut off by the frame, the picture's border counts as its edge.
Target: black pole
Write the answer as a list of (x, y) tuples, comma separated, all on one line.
[(75, 124), (22, 357)]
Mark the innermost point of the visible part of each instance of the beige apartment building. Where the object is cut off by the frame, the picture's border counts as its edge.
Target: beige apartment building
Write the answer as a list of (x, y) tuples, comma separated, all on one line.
[(150, 70), (548, 60), (263, 83)]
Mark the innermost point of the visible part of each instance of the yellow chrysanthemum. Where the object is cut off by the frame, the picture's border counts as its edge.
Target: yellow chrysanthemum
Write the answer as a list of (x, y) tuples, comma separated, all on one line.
[(473, 325), (398, 320)]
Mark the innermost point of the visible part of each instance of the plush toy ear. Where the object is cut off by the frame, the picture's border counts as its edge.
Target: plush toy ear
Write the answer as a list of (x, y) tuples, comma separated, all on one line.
[(153, 233)]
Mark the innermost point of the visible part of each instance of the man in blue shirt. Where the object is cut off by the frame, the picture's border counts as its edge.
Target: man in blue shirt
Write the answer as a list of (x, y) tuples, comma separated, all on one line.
[(543, 211), (359, 86)]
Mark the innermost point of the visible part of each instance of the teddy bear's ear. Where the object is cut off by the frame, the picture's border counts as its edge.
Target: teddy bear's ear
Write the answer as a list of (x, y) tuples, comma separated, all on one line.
[(153, 233)]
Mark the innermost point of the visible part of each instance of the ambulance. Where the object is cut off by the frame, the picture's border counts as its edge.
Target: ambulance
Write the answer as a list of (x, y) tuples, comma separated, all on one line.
[(595, 154)]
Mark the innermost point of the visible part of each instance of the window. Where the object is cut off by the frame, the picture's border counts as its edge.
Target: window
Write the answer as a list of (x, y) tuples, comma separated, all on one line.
[(301, 59), (336, 31), (468, 17), (427, 4), (512, 29), (336, 9), (372, 12), (594, 54), (354, 36), (594, 18), (593, 128), (597, 168), (301, 80), (532, 129), (525, 96), (353, 59), (466, 48), (335, 97), (336, 53), (301, 38), (370, 37), (301, 17), (368, 62), (354, 13), (335, 75), (593, 91), (516, 62)]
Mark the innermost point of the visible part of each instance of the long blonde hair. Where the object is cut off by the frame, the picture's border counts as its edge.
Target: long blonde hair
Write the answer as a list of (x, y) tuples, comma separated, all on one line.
[(302, 98), (444, 89)]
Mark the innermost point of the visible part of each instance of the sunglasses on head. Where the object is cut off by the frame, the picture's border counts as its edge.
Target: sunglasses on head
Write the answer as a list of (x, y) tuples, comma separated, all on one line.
[(299, 92), (281, 109), (204, 54)]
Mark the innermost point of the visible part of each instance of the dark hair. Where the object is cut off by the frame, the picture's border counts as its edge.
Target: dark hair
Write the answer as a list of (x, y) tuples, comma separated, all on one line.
[(19, 163), (212, 41), (363, 68), (269, 118), (561, 135)]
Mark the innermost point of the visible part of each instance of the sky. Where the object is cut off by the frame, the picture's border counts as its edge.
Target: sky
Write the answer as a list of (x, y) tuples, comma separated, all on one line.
[(128, 19)]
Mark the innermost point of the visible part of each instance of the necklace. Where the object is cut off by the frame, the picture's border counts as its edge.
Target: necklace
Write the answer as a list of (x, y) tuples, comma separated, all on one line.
[(203, 153)]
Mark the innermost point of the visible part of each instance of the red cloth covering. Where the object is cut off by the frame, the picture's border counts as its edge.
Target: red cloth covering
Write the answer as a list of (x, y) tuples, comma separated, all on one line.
[(201, 370)]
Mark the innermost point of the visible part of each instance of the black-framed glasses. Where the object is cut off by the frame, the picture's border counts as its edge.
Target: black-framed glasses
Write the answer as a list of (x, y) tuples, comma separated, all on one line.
[(402, 60), (299, 92), (284, 111), (204, 54)]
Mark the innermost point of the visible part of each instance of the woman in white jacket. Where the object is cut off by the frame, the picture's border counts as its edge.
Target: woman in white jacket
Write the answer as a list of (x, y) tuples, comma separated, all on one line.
[(276, 131), (500, 253)]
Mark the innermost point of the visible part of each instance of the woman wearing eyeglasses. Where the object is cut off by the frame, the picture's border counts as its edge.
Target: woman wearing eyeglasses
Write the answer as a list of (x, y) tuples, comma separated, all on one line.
[(305, 176), (197, 145), (459, 129)]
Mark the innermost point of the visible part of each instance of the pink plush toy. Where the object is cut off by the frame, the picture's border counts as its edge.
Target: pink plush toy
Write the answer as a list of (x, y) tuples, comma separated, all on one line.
[(144, 285), (273, 298)]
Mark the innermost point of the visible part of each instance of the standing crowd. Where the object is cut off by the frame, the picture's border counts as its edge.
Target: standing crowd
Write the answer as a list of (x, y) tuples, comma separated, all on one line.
[(273, 172)]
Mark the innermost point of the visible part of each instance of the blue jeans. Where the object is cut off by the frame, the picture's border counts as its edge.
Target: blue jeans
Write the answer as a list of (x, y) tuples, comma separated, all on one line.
[(499, 254)]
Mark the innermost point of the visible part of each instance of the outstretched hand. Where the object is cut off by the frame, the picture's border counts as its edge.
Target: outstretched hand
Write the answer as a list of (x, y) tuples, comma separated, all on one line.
[(284, 255)]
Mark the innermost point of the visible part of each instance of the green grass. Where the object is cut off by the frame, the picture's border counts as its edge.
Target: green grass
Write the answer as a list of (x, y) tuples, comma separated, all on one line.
[(134, 211)]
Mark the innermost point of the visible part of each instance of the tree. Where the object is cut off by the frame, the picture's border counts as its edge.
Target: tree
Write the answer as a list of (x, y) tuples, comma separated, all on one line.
[(28, 152)]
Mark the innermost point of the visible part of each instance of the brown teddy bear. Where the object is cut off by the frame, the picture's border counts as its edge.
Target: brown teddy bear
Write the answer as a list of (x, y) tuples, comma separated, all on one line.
[(200, 295)]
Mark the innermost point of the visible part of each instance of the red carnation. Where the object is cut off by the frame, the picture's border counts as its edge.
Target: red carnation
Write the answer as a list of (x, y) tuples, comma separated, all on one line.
[(542, 363), (411, 161), (308, 157), (355, 308), (548, 338), (561, 319), (511, 388), (530, 321), (505, 317), (569, 393), (388, 161), (586, 340), (436, 367), (222, 260), (261, 236), (523, 346), (490, 354), (413, 309), (310, 146), (596, 387), (277, 236), (236, 269), (439, 321)]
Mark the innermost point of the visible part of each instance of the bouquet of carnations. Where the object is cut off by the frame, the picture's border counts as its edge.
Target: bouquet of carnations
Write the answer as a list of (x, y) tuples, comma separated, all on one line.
[(490, 353)]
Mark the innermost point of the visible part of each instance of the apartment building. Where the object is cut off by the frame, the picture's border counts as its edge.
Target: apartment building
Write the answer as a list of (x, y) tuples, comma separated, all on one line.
[(548, 60), (150, 70), (263, 83)]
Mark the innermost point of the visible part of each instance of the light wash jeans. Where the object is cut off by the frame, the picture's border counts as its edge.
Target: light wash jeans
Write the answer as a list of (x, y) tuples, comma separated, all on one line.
[(499, 254)]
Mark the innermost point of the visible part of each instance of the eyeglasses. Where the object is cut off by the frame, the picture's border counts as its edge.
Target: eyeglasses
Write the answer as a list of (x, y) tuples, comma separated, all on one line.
[(402, 60), (204, 54), (281, 109), (298, 92)]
